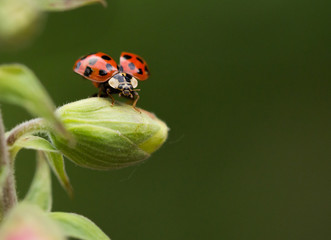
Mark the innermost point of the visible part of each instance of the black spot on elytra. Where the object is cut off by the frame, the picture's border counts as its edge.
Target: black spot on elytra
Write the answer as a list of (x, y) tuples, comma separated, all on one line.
[(106, 57), (92, 61), (102, 72), (140, 71), (127, 56), (88, 71), (146, 69), (78, 65), (140, 60), (109, 67), (132, 66)]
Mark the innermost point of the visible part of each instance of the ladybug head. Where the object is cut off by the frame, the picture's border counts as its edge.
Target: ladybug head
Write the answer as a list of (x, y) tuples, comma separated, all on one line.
[(123, 82)]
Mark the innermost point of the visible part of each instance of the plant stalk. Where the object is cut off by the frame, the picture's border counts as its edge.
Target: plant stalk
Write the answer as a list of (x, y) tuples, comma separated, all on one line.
[(37, 125), (8, 196)]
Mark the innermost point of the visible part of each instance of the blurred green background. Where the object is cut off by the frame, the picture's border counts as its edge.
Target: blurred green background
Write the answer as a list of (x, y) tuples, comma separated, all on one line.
[(245, 88)]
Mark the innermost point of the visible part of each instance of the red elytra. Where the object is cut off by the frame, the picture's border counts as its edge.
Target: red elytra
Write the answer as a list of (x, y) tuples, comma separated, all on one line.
[(134, 65), (99, 67)]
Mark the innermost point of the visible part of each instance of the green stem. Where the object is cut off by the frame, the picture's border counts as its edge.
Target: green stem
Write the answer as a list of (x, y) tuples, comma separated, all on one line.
[(8, 196), (33, 126)]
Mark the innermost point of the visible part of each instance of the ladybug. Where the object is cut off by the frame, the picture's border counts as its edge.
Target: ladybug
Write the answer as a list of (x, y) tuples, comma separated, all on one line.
[(111, 78)]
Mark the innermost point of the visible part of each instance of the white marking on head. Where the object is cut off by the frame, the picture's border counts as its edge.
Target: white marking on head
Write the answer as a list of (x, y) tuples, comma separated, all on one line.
[(134, 82), (113, 82)]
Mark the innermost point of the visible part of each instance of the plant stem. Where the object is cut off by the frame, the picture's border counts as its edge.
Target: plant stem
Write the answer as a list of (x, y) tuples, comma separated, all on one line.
[(37, 125), (8, 196)]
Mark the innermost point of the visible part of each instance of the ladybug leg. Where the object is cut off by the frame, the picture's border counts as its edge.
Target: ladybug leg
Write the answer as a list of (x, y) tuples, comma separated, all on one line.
[(100, 92), (135, 102), (112, 98)]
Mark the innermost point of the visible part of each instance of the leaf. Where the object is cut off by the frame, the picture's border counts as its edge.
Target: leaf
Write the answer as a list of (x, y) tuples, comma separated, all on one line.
[(62, 5), (35, 142), (40, 192), (54, 158), (77, 226), (57, 164), (18, 85), (26, 221)]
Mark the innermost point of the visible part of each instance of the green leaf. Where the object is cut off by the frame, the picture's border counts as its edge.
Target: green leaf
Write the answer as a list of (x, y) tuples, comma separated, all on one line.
[(62, 5), (77, 226), (35, 142), (18, 85), (27, 221), (40, 192), (55, 159), (57, 164)]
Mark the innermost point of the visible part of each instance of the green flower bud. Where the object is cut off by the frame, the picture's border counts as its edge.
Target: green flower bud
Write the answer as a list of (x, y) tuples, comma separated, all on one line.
[(20, 20), (108, 137)]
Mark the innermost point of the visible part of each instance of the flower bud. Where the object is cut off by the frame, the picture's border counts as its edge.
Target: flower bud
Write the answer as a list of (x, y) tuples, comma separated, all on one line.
[(20, 20), (108, 137), (28, 222)]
